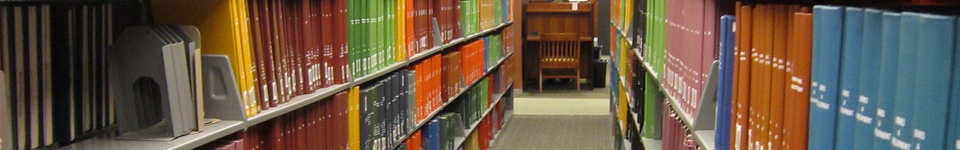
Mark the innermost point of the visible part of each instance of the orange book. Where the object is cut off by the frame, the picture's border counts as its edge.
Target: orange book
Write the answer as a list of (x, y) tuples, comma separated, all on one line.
[(795, 123), (419, 91), (414, 142), (736, 78), (741, 101), (762, 67), (780, 25)]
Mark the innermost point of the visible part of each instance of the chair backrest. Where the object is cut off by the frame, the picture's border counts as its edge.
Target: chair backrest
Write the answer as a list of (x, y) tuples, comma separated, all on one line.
[(559, 47), (559, 50)]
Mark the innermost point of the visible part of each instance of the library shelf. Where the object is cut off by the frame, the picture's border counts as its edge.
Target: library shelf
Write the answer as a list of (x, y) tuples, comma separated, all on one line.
[(420, 123), (227, 127), (458, 141)]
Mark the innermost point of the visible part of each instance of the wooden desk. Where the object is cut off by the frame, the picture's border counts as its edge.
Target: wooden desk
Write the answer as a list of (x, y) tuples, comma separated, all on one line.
[(558, 18)]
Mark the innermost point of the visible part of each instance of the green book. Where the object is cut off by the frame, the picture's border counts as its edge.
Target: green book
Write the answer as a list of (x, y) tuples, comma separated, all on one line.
[(361, 37), (351, 38), (652, 109), (391, 32), (484, 95)]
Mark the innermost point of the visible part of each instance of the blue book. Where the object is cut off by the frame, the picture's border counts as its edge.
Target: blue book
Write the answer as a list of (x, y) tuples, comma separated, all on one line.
[(486, 53), (433, 134), (906, 78), (889, 53), (953, 120), (725, 86), (825, 76), (849, 77), (869, 79), (932, 93)]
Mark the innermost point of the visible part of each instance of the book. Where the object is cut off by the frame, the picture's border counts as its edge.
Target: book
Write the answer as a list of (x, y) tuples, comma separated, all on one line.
[(799, 67), (866, 100), (849, 76), (742, 79), (824, 78), (888, 79), (906, 82), (724, 88), (932, 102)]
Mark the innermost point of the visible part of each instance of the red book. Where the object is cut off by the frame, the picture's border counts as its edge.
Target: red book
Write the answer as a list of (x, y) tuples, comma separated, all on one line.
[(267, 26), (307, 40), (457, 30), (258, 47), (429, 22), (446, 76)]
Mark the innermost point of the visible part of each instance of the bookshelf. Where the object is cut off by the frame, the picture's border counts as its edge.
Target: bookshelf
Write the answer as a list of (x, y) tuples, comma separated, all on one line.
[(779, 90), (453, 98), (704, 138), (229, 127)]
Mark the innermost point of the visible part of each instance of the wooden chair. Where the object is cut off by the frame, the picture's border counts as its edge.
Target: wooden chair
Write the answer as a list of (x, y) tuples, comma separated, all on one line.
[(559, 51)]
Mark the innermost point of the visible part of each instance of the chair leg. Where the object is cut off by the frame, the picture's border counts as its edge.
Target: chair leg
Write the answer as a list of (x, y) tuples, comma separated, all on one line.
[(541, 81), (577, 80)]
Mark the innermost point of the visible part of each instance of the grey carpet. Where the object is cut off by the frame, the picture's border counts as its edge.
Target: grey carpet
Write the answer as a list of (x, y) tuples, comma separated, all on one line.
[(556, 132)]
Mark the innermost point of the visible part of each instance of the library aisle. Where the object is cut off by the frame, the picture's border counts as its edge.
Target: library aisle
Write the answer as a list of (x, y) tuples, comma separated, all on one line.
[(559, 119)]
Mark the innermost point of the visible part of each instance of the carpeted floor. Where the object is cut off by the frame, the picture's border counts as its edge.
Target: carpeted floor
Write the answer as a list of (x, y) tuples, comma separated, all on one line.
[(560, 118), (556, 132)]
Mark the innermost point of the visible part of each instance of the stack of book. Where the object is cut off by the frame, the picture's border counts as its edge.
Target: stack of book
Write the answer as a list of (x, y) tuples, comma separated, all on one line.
[(384, 107), (55, 71), (469, 15), (453, 74), (472, 61), (321, 125), (427, 82), (855, 73)]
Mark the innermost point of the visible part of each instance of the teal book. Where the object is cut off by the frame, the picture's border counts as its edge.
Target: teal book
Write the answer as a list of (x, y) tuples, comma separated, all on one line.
[(866, 106), (889, 54), (849, 76), (906, 82), (953, 120), (825, 76), (932, 93)]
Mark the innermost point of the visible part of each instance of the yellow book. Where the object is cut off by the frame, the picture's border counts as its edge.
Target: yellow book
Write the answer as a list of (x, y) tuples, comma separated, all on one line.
[(623, 109), (400, 49), (353, 118), (243, 57), (246, 49), (472, 142), (214, 19)]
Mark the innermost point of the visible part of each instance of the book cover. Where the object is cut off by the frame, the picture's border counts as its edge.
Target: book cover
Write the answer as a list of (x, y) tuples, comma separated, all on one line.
[(797, 101), (932, 93), (825, 74), (906, 82), (866, 105), (849, 74), (890, 37)]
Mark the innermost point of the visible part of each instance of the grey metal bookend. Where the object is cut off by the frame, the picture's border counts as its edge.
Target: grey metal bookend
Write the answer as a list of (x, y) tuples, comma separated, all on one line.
[(437, 35), (143, 72), (706, 112), (221, 95)]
